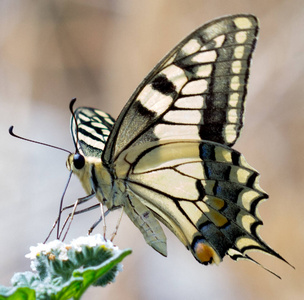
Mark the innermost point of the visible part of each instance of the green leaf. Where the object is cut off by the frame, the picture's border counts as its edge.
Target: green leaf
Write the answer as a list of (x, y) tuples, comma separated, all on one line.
[(18, 294), (92, 274)]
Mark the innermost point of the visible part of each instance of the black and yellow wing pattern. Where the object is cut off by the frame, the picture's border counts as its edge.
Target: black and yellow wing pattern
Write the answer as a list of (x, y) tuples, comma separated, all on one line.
[(168, 156)]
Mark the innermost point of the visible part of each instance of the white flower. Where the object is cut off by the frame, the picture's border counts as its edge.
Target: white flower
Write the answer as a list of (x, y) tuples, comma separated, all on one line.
[(44, 248), (92, 241), (63, 248)]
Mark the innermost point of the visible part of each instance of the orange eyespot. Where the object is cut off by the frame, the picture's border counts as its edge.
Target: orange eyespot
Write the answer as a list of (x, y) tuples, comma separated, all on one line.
[(205, 254)]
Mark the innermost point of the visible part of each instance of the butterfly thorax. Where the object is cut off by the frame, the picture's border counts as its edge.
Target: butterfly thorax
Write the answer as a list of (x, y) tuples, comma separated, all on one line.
[(96, 179)]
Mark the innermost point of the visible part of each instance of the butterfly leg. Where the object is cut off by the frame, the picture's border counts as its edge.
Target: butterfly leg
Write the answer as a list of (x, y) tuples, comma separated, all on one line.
[(79, 200), (96, 223), (103, 221), (100, 219), (117, 226), (69, 216)]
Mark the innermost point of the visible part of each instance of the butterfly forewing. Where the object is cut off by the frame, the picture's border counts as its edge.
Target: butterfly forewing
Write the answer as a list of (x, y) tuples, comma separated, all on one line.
[(94, 127), (196, 92)]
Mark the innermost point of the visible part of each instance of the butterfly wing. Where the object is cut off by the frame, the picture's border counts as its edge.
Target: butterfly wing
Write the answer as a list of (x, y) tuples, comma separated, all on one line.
[(196, 92), (94, 127), (206, 193)]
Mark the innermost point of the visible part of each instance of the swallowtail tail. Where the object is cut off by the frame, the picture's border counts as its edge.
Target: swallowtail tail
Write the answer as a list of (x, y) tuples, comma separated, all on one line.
[(168, 156)]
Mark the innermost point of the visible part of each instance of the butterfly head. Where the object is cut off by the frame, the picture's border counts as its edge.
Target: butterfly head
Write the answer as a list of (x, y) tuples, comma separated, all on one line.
[(82, 168), (76, 163)]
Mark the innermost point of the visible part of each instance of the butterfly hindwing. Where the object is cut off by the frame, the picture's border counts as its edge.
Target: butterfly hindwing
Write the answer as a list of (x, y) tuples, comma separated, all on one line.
[(196, 92), (206, 193)]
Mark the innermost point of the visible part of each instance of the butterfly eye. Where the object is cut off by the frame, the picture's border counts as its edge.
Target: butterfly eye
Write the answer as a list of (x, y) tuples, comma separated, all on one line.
[(78, 161)]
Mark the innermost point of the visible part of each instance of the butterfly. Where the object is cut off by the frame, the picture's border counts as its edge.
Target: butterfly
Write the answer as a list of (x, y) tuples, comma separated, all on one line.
[(168, 156)]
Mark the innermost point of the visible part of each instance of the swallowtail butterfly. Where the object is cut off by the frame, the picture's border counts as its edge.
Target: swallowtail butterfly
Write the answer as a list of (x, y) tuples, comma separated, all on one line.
[(168, 156)]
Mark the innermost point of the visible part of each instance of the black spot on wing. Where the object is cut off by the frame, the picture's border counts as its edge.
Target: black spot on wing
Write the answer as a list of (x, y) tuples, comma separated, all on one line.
[(163, 85), (142, 110)]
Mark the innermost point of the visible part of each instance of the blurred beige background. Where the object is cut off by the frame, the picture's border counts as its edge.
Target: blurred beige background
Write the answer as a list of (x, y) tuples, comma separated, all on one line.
[(99, 51)]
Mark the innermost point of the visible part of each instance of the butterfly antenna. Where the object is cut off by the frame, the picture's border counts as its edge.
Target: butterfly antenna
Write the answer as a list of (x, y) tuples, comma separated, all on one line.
[(33, 141), (75, 122)]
